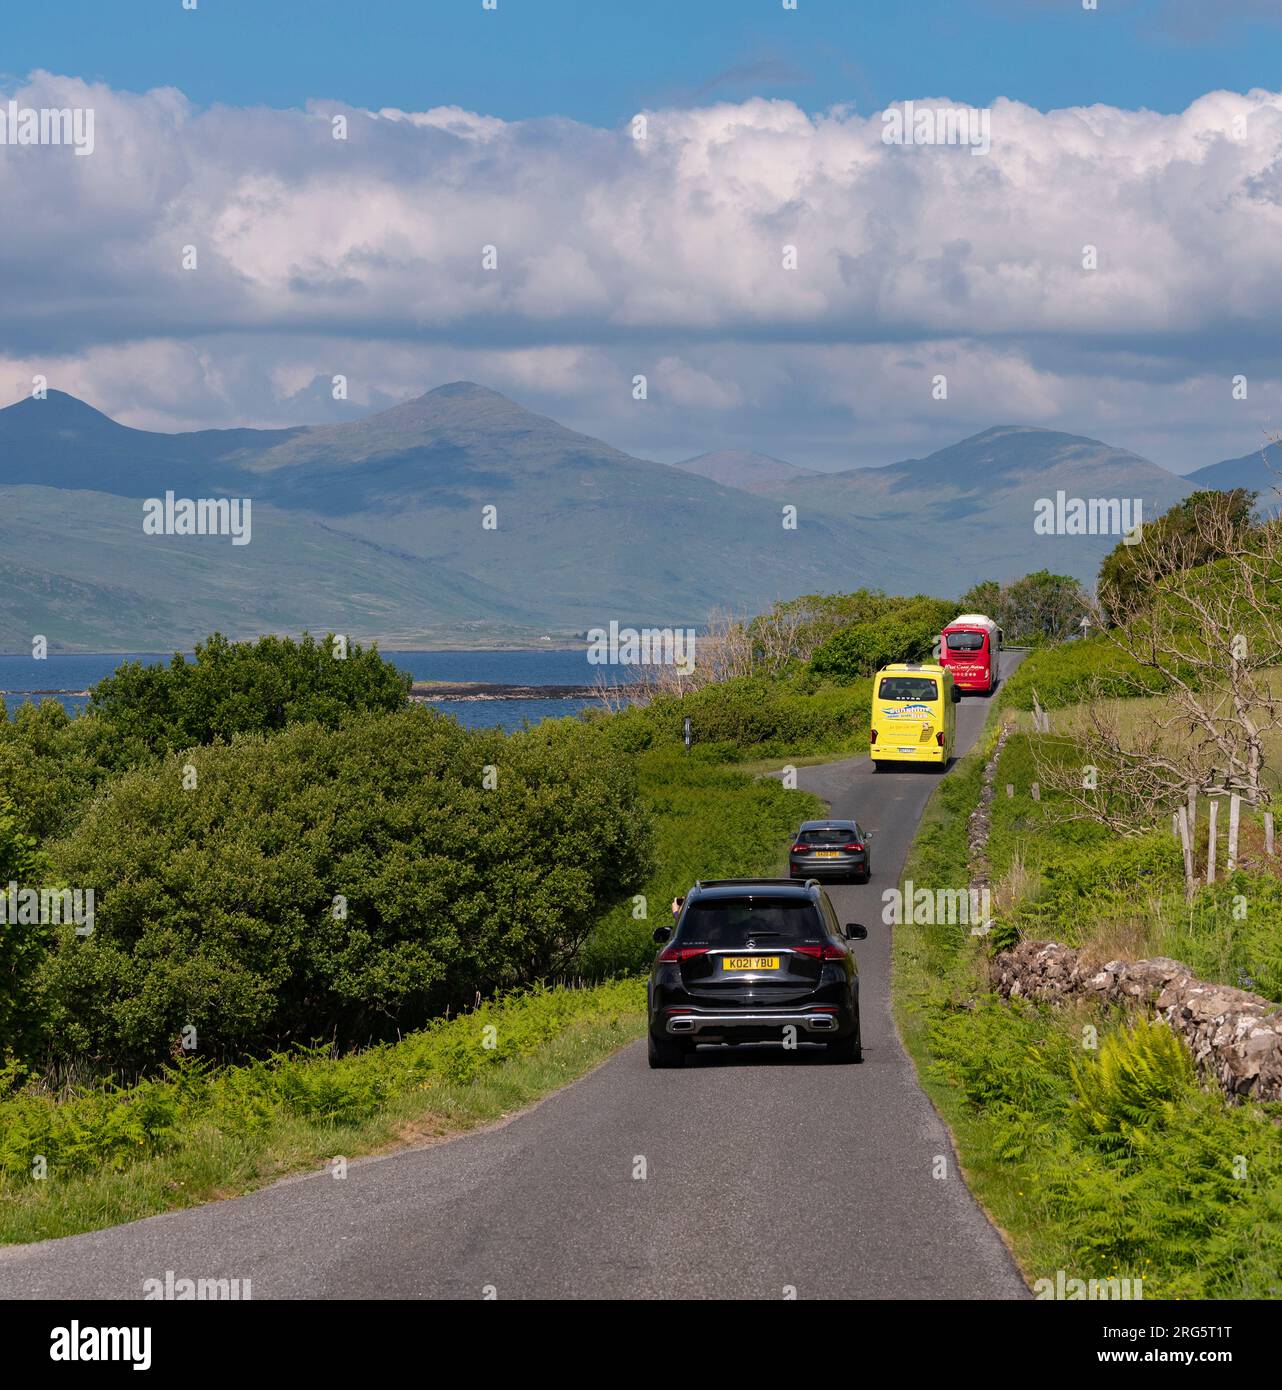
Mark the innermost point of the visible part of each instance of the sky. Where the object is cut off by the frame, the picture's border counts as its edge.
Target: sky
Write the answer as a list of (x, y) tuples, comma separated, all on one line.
[(1150, 130)]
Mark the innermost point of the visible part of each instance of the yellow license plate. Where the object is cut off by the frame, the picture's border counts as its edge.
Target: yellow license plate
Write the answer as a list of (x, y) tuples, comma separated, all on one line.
[(750, 962), (827, 854)]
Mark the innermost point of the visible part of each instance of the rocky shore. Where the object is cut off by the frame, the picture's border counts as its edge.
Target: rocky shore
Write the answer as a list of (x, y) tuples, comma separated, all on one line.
[(483, 690)]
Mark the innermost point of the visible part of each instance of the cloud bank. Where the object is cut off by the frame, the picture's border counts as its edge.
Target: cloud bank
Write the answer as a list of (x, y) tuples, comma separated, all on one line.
[(784, 281)]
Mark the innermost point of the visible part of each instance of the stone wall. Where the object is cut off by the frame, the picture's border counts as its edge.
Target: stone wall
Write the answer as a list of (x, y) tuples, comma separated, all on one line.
[(1235, 1037)]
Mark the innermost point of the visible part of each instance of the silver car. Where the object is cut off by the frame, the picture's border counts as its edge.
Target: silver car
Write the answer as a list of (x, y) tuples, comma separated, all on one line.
[(831, 849)]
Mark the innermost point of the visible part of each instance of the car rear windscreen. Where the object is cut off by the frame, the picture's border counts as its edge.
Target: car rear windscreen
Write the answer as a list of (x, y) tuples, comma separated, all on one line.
[(965, 641), (907, 688), (827, 837), (735, 922)]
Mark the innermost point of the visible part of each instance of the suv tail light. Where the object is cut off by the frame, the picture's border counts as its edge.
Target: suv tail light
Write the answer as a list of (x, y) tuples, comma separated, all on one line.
[(829, 952), (854, 844), (800, 847), (680, 953)]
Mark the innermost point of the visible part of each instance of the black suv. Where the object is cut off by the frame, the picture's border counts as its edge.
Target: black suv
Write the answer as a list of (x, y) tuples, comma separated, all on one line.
[(754, 959)]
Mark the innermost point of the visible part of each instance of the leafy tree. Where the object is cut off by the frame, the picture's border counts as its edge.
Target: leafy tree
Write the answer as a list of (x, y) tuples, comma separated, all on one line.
[(1190, 534), (245, 687), (1041, 607), (794, 629), (862, 649), (984, 597), (1038, 607), (22, 946)]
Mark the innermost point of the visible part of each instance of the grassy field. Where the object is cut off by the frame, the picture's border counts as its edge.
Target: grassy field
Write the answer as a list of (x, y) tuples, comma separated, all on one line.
[(712, 820), (1077, 883)]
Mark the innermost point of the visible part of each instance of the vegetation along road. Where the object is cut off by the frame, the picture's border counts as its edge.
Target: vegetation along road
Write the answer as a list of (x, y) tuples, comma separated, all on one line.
[(747, 1173)]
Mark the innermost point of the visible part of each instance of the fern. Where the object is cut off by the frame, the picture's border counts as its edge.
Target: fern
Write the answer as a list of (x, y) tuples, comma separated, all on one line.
[(1141, 1073)]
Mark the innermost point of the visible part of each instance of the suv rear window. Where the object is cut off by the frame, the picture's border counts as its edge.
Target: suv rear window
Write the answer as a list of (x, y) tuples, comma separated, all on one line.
[(827, 837), (965, 641), (733, 922), (907, 688)]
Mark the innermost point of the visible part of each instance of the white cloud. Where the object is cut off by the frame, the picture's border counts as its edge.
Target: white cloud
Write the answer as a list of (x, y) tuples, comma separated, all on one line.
[(617, 256)]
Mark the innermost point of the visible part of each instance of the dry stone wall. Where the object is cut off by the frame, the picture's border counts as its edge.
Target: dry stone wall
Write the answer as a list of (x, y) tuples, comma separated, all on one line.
[(1235, 1037)]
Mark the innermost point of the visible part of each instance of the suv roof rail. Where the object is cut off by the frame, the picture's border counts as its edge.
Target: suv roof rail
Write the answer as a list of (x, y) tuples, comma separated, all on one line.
[(753, 882)]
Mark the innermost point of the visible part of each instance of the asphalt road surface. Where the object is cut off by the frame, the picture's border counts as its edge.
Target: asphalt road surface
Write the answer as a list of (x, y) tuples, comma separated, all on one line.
[(766, 1175)]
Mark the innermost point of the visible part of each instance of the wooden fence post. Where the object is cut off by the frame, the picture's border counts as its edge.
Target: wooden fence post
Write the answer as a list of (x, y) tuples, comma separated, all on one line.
[(1182, 816), (1212, 816), (1235, 811), (1268, 833)]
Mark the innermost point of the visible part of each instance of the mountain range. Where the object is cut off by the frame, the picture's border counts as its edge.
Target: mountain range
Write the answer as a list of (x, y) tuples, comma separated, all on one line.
[(462, 517)]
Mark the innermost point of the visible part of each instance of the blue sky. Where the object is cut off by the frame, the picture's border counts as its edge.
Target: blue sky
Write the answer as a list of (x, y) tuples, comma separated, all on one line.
[(598, 61)]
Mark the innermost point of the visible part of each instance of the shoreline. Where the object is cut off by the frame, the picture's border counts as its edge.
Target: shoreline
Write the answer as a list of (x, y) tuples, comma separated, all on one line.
[(422, 691), (495, 690)]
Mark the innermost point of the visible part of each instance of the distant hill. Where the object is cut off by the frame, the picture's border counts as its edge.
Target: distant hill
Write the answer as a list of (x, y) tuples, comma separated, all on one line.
[(744, 470), (379, 523), (966, 512), (375, 527), (62, 442), (1260, 472)]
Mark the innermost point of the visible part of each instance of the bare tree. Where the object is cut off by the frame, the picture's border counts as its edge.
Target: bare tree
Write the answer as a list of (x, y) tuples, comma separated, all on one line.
[(1212, 633), (1127, 778), (724, 650), (1210, 629)]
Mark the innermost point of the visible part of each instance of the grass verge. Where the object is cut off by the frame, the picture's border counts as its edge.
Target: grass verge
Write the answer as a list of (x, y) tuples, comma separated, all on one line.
[(199, 1133), (1085, 1135)]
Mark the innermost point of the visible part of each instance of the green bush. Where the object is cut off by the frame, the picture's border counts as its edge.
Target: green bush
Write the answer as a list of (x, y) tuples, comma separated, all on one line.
[(863, 649), (794, 628), (21, 947), (52, 763), (1133, 1170), (335, 883), (746, 714)]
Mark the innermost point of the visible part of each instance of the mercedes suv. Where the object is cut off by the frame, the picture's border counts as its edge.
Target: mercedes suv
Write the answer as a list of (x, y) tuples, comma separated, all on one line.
[(831, 847), (753, 960)]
